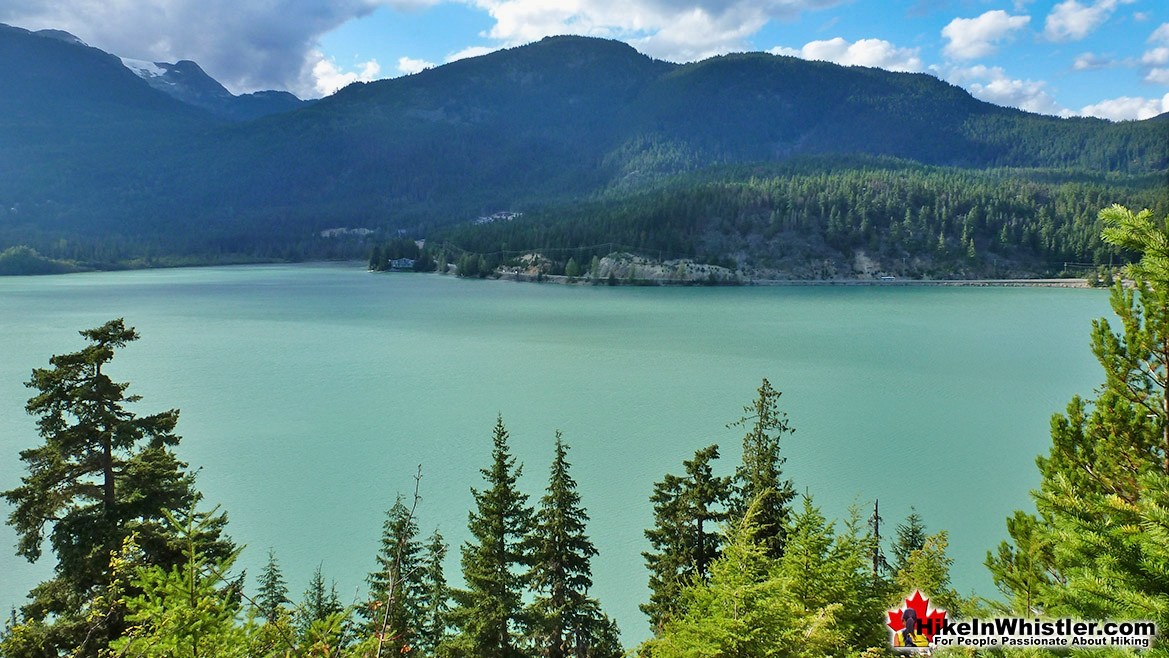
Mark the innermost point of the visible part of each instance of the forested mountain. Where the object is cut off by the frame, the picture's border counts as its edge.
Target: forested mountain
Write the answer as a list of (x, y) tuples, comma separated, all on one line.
[(100, 167)]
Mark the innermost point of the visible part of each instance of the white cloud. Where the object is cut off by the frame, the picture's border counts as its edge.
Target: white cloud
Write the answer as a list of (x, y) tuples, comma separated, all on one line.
[(1072, 21), (1156, 56), (969, 38), (864, 52), (245, 44), (676, 30), (409, 65), (1156, 59), (1092, 62), (472, 51), (1127, 108), (1160, 35), (328, 77), (993, 85)]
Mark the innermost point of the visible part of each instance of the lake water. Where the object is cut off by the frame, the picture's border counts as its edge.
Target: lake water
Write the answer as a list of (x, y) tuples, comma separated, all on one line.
[(310, 394)]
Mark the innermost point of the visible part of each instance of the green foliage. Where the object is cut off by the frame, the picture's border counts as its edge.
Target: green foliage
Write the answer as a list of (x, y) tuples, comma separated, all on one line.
[(320, 612), (188, 610), (434, 600), (273, 592), (928, 569), (819, 599), (102, 474), (564, 618), (1097, 545), (685, 537), (910, 537), (393, 610), (489, 612), (760, 477)]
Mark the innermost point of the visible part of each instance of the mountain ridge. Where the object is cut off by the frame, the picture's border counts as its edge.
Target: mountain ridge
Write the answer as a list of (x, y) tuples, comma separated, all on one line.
[(549, 124)]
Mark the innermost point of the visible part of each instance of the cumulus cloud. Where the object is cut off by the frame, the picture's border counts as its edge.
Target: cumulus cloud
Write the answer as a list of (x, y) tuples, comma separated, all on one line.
[(472, 51), (676, 30), (1127, 108), (992, 84), (877, 53), (328, 77), (970, 38), (1071, 21), (258, 44), (1160, 35), (1092, 61), (409, 65), (1156, 59), (245, 44)]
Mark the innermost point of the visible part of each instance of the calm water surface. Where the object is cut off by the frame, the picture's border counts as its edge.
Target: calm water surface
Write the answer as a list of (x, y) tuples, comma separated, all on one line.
[(310, 394)]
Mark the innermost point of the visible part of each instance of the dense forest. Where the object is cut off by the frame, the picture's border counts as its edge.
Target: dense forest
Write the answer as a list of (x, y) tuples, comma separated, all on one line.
[(737, 564), (833, 217)]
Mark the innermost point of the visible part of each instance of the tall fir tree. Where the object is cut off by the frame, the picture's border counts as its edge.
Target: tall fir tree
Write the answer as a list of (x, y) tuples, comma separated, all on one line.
[(1100, 539), (434, 597), (685, 538), (102, 474), (272, 595), (191, 610), (320, 614), (392, 611), (760, 476), (489, 612), (910, 537), (563, 615)]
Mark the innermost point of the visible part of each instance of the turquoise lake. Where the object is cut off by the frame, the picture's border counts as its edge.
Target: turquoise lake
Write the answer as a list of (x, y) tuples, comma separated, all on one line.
[(311, 393)]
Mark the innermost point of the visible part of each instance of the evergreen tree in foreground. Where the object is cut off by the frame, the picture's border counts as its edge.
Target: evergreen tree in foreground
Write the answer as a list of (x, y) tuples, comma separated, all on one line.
[(1099, 543), (434, 598), (489, 612), (760, 477), (273, 592), (910, 537), (391, 613), (685, 537), (564, 617), (102, 475)]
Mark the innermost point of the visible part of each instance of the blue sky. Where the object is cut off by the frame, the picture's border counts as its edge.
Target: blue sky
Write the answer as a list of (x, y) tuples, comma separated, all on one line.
[(1107, 58)]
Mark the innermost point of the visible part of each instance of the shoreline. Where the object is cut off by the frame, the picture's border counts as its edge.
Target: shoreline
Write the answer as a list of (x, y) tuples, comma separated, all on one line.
[(671, 283)]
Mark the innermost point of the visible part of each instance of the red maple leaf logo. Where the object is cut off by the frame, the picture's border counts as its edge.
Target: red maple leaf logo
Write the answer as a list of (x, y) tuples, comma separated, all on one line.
[(930, 619)]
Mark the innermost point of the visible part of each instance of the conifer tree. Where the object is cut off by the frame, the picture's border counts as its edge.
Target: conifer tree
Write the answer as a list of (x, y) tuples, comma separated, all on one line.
[(910, 537), (489, 614), (434, 597), (395, 587), (760, 477), (561, 574), (319, 615), (928, 569), (273, 592), (685, 537), (1098, 544), (102, 474), (189, 610)]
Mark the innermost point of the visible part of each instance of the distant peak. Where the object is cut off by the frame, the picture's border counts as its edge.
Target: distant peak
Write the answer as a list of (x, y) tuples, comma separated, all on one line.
[(61, 35)]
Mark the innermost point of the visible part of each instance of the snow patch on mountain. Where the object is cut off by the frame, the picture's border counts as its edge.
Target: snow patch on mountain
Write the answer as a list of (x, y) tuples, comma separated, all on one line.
[(143, 69)]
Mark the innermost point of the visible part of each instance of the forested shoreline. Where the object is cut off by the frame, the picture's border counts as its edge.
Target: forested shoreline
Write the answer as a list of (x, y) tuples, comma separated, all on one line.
[(737, 563)]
